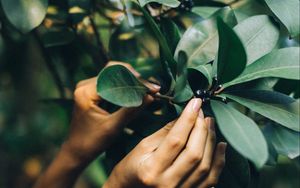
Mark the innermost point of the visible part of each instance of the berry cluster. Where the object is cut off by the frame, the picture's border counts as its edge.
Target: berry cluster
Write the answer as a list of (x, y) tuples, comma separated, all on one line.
[(186, 5), (207, 95)]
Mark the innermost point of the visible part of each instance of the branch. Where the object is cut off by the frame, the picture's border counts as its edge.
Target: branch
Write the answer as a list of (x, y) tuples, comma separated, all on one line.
[(51, 66)]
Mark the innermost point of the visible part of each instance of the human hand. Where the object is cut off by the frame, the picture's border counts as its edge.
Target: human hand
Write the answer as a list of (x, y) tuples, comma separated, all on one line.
[(93, 128), (182, 154)]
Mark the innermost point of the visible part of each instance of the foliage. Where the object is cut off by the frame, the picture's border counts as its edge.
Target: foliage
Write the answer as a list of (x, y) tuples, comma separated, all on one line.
[(241, 57)]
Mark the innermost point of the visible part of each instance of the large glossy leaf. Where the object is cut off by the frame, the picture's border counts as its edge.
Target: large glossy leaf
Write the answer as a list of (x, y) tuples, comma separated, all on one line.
[(241, 132), (273, 105), (259, 36), (205, 70), (285, 141), (200, 41), (231, 175), (205, 12), (282, 63), (232, 57), (167, 54), (171, 32), (119, 86), (25, 15), (170, 3), (182, 91), (288, 13)]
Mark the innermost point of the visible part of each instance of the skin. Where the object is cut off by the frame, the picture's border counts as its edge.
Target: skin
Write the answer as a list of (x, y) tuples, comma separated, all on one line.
[(183, 153)]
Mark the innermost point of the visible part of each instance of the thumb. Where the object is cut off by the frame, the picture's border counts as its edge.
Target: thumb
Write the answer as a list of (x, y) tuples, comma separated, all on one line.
[(124, 115)]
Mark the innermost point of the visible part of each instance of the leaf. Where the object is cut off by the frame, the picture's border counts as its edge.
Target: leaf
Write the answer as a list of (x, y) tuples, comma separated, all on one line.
[(58, 38), (205, 70), (285, 141), (282, 63), (231, 175), (182, 91), (232, 57), (170, 3), (171, 33), (25, 15), (288, 13), (167, 54), (241, 132), (273, 105), (119, 86), (200, 41), (204, 11), (259, 36)]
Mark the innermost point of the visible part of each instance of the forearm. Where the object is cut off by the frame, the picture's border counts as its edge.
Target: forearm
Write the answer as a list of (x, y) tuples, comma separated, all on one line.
[(63, 171)]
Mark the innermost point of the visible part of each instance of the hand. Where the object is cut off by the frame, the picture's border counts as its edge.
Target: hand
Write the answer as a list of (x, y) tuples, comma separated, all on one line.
[(182, 154), (92, 128)]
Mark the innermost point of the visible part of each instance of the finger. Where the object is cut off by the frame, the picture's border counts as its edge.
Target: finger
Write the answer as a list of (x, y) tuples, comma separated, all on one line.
[(204, 166), (154, 88), (217, 167), (152, 142), (127, 65), (177, 138), (192, 155), (87, 81), (86, 96), (123, 116)]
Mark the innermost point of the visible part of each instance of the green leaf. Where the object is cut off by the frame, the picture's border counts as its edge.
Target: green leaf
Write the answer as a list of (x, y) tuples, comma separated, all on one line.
[(231, 176), (171, 33), (232, 57), (182, 91), (200, 41), (205, 12), (282, 63), (273, 105), (288, 13), (25, 15), (170, 3), (285, 141), (167, 54), (119, 86), (259, 36), (205, 70), (241, 132)]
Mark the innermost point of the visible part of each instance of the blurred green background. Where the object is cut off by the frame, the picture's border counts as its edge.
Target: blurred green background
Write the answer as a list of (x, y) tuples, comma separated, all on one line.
[(39, 71)]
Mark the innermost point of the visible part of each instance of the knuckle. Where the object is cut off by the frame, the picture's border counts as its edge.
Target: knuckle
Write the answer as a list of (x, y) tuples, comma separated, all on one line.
[(147, 177), (144, 143), (193, 157), (78, 93), (203, 169), (175, 142)]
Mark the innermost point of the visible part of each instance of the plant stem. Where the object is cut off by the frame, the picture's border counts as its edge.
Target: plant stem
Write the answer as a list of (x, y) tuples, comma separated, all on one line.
[(165, 97), (103, 53), (51, 66)]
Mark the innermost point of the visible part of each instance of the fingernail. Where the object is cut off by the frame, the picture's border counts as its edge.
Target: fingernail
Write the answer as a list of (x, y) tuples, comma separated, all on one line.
[(223, 147), (156, 87), (196, 104), (200, 114)]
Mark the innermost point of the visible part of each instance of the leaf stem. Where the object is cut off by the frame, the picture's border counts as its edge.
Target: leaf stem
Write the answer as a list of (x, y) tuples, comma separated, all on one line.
[(160, 96)]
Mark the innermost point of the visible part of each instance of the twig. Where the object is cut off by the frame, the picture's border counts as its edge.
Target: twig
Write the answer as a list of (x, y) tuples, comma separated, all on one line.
[(51, 66), (102, 51)]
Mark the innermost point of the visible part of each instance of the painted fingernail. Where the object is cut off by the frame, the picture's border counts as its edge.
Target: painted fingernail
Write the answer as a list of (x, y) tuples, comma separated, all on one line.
[(200, 114), (223, 146), (196, 104)]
